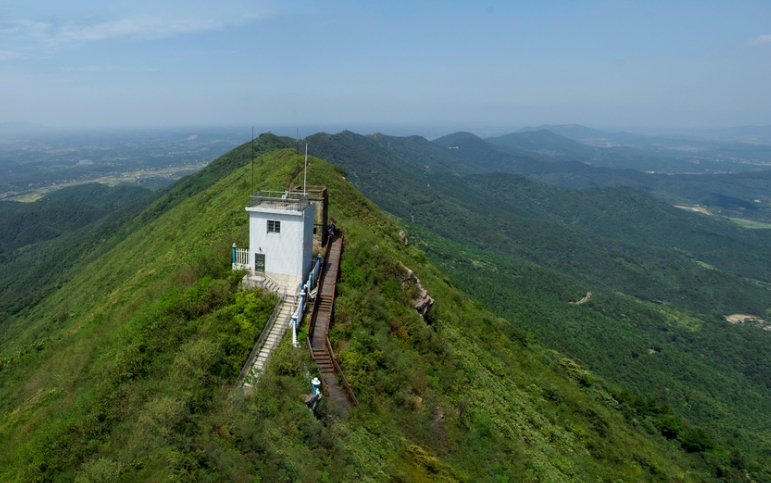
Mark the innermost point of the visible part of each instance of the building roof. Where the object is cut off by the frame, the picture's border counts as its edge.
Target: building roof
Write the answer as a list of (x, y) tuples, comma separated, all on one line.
[(278, 201)]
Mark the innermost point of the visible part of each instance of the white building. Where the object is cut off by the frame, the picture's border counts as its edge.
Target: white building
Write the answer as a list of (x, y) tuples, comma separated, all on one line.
[(280, 238)]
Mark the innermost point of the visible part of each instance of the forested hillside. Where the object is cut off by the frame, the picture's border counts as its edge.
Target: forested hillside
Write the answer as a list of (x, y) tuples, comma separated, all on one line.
[(661, 281), (122, 373), (558, 148), (736, 194), (31, 272), (39, 241)]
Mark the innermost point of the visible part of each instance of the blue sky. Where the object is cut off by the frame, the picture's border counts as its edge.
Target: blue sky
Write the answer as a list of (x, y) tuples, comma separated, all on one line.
[(475, 65)]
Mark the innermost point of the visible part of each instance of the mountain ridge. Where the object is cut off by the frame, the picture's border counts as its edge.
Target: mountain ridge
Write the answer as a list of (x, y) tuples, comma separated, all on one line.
[(655, 321), (127, 383)]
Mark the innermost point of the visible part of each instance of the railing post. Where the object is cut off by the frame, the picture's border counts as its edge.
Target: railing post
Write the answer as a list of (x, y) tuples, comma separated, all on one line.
[(302, 299), (234, 253), (294, 331)]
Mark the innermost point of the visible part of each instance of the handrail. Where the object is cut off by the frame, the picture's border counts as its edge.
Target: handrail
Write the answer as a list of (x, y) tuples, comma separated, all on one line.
[(315, 308), (338, 370), (283, 200), (260, 340), (269, 278)]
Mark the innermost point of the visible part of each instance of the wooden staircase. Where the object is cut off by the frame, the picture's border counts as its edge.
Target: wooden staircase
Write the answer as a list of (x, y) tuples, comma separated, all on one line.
[(318, 338)]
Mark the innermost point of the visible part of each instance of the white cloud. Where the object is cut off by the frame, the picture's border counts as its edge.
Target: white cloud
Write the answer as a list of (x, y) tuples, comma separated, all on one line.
[(760, 40), (10, 55), (140, 27), (102, 68), (144, 27), (87, 68)]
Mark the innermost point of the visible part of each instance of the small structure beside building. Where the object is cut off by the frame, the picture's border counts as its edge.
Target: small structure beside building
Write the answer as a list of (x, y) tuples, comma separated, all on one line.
[(317, 195)]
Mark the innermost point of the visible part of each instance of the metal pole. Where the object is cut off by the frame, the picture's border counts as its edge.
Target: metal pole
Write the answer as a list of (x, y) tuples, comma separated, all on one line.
[(252, 159), (305, 170)]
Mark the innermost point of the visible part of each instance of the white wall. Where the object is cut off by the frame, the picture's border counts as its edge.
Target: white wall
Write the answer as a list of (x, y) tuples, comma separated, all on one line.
[(307, 262), (288, 252)]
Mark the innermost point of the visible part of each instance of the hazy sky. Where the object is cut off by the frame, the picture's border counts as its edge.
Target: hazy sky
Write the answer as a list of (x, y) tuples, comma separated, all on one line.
[(622, 64)]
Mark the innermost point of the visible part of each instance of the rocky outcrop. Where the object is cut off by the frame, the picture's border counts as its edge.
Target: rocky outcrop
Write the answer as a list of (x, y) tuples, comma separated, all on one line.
[(423, 301), (403, 236)]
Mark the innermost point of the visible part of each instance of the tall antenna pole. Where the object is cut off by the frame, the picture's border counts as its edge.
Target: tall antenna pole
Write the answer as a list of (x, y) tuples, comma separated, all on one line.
[(252, 160), (305, 171)]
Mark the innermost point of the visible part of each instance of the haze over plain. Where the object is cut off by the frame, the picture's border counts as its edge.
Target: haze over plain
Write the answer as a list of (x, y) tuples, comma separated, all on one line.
[(488, 66)]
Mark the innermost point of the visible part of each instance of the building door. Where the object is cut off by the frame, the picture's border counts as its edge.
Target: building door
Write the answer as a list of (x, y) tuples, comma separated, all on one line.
[(259, 262)]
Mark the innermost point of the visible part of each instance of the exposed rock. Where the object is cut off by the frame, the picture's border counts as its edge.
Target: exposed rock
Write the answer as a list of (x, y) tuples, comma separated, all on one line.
[(438, 415), (583, 300), (403, 236), (423, 301)]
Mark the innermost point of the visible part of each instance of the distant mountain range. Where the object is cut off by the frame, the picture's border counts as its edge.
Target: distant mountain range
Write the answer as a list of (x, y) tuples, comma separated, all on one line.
[(585, 134), (742, 134)]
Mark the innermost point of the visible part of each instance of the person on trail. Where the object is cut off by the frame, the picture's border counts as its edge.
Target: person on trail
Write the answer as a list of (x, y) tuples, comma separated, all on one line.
[(331, 230)]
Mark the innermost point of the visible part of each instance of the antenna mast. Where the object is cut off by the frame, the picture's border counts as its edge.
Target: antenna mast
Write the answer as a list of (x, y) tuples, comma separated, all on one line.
[(252, 160), (305, 171)]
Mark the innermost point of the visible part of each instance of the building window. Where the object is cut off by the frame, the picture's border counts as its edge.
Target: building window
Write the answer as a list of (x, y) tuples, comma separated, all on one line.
[(274, 226)]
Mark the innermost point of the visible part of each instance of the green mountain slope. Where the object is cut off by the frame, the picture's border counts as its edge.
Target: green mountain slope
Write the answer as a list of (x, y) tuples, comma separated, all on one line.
[(736, 194), (559, 148), (30, 272), (40, 242), (127, 366), (61, 211), (661, 281), (616, 237)]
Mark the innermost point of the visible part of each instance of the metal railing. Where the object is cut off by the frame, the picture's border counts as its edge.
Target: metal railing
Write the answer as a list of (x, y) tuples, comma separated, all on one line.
[(281, 200), (327, 344), (267, 278), (260, 341), (242, 256), (339, 371), (315, 308), (302, 294)]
